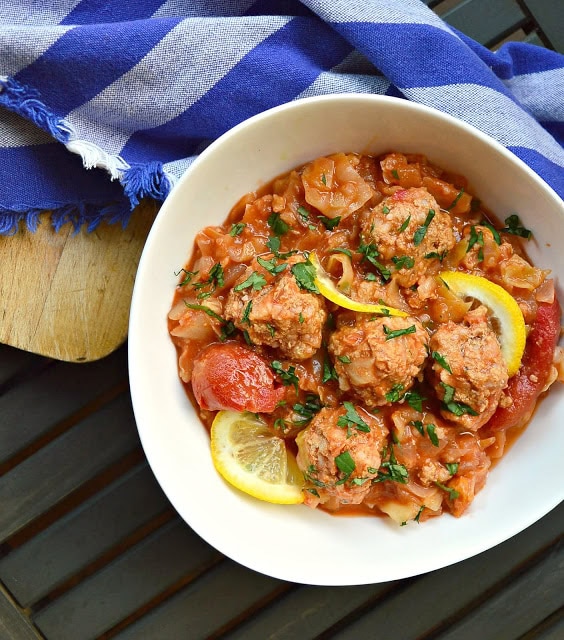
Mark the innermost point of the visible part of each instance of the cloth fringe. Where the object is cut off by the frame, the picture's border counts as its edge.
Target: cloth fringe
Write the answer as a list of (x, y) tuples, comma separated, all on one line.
[(25, 102), (146, 181), (78, 214), (138, 181)]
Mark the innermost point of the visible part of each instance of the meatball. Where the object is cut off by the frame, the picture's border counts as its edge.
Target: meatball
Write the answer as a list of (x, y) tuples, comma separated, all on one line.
[(339, 452), (410, 232), (377, 359), (279, 314), (468, 371)]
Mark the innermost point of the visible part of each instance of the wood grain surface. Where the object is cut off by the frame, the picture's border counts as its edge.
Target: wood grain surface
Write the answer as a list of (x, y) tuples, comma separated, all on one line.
[(66, 295)]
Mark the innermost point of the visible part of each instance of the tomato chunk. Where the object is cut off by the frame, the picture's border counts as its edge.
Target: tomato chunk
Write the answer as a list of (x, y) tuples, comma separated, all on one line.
[(230, 376), (525, 387)]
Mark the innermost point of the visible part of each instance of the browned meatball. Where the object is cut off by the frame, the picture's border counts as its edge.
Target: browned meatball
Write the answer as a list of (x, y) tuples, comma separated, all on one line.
[(410, 232), (376, 357), (339, 454), (468, 371), (278, 314)]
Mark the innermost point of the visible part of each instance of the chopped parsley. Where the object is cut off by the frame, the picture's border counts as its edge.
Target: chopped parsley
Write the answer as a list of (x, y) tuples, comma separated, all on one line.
[(309, 475), (458, 408), (278, 226), (352, 420), (429, 429), (346, 465), (188, 275), (255, 280), (304, 213), (323, 179), (227, 327), (307, 409), (421, 508), (404, 224), (329, 372), (421, 232), (385, 210), (415, 400), (433, 254), (301, 318), (288, 377), (215, 279), (344, 359), (237, 228), (370, 252), (273, 243), (495, 232), (437, 357), (455, 201), (339, 250), (304, 273), (476, 237), (452, 467), (395, 393), (391, 334), (513, 226), (271, 266), (395, 174), (246, 312), (390, 469), (433, 437), (403, 262), (329, 223), (452, 493)]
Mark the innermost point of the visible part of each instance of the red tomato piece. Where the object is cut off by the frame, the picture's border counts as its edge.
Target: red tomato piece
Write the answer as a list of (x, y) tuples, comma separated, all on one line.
[(230, 376), (525, 387)]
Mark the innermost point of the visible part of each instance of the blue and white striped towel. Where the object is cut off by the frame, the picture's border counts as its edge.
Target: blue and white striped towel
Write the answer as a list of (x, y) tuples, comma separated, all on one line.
[(103, 102)]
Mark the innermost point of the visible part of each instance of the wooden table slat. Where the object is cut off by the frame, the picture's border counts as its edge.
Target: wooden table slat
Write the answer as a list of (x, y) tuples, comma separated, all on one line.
[(31, 571), (13, 624), (53, 472), (549, 15), (105, 599), (456, 587), (519, 607), (308, 611), (206, 605), (485, 21), (13, 361), (72, 385)]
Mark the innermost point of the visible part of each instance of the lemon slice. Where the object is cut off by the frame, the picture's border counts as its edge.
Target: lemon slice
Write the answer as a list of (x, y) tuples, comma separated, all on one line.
[(510, 324), (328, 290), (251, 458)]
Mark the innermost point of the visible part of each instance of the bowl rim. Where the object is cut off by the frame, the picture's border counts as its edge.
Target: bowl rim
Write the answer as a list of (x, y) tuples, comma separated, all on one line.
[(429, 564)]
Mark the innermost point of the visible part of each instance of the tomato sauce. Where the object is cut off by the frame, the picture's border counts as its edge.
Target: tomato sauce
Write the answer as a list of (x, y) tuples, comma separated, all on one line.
[(253, 333)]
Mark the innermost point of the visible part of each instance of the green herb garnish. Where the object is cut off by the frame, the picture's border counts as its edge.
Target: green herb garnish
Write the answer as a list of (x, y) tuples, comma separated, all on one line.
[(329, 223), (452, 467), (304, 273), (452, 493), (420, 233), (237, 228), (255, 280), (391, 334), (437, 357), (288, 377), (271, 266), (455, 201), (352, 419), (515, 228), (278, 226), (403, 262)]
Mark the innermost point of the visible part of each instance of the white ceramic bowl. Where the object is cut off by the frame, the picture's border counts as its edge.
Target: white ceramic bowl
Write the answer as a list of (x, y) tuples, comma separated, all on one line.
[(296, 543)]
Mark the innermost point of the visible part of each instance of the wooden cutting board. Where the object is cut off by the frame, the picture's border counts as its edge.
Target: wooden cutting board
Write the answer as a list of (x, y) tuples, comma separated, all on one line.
[(66, 295)]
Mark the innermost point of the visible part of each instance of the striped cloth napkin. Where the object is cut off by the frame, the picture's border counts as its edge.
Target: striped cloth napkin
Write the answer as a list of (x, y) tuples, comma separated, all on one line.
[(105, 102)]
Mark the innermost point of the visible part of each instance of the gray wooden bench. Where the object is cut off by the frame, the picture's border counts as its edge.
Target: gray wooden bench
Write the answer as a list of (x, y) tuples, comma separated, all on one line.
[(91, 548)]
